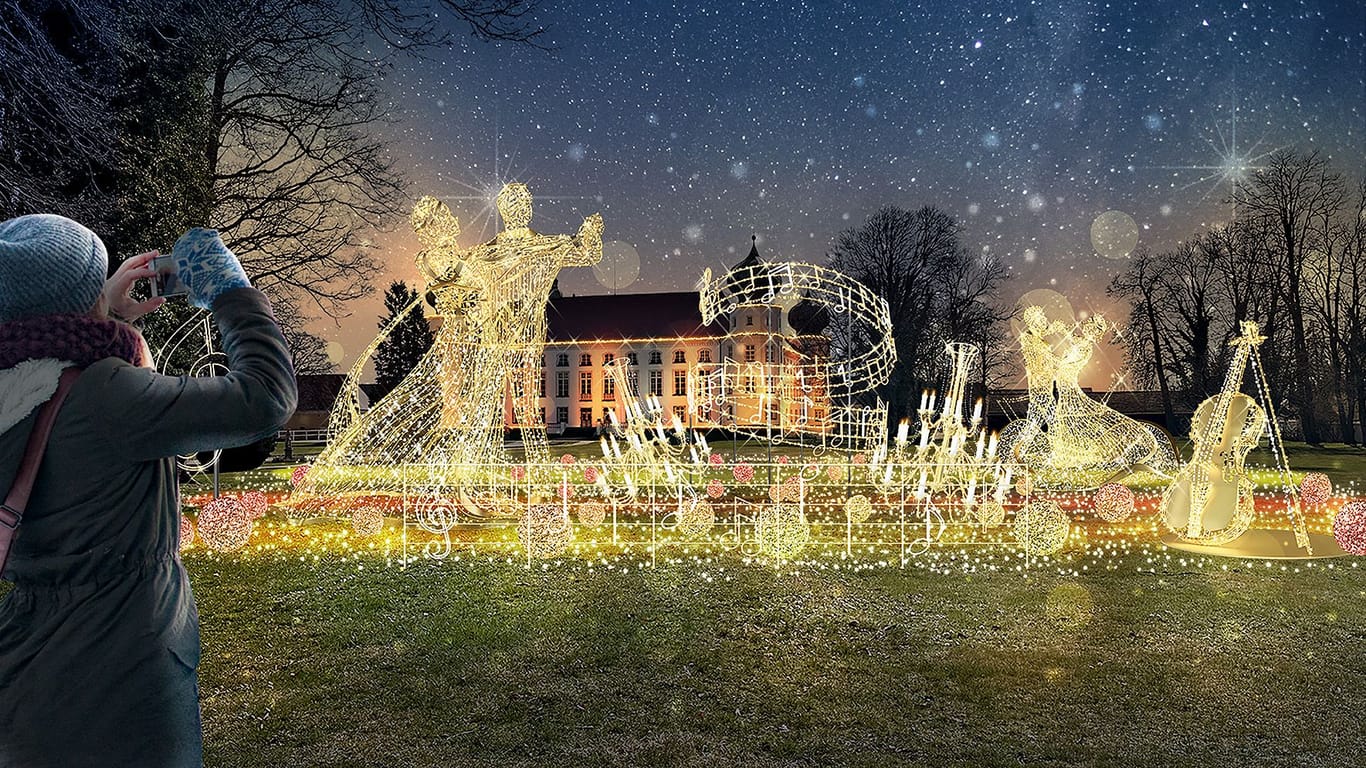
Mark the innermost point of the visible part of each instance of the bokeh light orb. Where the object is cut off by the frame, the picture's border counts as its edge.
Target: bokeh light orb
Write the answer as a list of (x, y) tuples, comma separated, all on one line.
[(1042, 527), (367, 521), (715, 489), (1114, 502), (1316, 489), (590, 474), (224, 525), (695, 519), (1069, 606), (1114, 234), (716, 460), (255, 503), (544, 531), (567, 459), (619, 267), (782, 531), (592, 513), (858, 508), (1349, 527), (990, 513)]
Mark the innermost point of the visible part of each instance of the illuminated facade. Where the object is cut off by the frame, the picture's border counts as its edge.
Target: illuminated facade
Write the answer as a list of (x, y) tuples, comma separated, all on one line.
[(665, 339)]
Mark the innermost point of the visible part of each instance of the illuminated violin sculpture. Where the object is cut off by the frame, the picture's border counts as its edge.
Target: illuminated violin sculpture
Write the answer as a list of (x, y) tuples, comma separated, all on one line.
[(1211, 500)]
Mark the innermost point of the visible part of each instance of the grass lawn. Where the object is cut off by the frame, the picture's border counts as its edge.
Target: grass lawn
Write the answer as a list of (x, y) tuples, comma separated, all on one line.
[(489, 664)]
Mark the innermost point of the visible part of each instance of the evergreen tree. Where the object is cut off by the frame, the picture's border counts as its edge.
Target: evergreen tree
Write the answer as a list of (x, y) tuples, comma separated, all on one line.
[(397, 355)]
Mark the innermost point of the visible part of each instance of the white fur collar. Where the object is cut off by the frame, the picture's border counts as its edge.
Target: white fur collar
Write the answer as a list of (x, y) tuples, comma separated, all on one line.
[(27, 386)]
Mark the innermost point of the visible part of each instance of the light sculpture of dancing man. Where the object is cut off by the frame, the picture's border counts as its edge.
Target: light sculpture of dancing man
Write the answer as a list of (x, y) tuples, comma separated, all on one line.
[(439, 433)]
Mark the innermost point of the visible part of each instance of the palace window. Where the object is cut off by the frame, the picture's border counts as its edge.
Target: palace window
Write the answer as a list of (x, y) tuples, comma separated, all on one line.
[(562, 384), (681, 413), (704, 355), (609, 388), (680, 383), (607, 359), (680, 356), (657, 383), (585, 417), (585, 360), (562, 414), (654, 357), (562, 359), (586, 385), (749, 353), (631, 358)]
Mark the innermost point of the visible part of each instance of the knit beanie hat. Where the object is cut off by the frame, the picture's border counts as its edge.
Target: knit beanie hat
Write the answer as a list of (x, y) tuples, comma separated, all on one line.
[(49, 265)]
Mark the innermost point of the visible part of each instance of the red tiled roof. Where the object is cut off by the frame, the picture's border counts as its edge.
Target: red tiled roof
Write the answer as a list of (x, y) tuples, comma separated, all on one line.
[(628, 316)]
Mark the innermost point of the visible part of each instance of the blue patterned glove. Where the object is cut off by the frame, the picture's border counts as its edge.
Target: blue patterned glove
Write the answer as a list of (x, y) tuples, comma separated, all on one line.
[(206, 266)]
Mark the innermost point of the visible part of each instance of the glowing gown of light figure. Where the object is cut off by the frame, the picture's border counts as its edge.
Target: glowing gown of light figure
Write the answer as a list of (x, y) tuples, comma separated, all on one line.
[(1067, 436), (444, 423)]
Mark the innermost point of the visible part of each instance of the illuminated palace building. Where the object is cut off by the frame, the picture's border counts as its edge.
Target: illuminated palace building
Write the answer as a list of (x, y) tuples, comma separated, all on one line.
[(672, 357)]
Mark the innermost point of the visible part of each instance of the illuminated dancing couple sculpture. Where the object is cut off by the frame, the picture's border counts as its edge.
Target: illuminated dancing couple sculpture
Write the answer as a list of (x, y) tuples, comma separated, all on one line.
[(1067, 438), (439, 434)]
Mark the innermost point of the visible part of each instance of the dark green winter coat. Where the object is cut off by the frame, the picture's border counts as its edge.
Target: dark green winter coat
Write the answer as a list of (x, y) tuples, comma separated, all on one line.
[(99, 639)]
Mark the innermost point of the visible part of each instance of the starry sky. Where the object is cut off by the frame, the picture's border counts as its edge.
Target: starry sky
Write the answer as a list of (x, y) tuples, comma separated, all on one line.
[(691, 126)]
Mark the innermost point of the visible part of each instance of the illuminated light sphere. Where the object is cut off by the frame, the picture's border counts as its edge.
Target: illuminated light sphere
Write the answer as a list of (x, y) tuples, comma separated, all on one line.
[(1114, 502), (566, 490), (544, 531), (186, 533), (791, 489), (990, 513), (1316, 489), (1042, 527), (784, 460), (1024, 485), (224, 525), (834, 471), (715, 488), (255, 503), (860, 458), (519, 473), (567, 459), (696, 519), (716, 460), (775, 492), (592, 513), (743, 472), (859, 508), (1349, 527), (296, 478), (782, 531), (367, 521), (590, 474)]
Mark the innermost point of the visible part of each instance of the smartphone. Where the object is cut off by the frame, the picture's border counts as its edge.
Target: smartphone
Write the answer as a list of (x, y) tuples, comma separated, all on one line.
[(166, 282)]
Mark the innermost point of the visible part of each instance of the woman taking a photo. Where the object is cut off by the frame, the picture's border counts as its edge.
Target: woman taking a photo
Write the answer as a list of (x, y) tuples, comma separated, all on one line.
[(99, 639)]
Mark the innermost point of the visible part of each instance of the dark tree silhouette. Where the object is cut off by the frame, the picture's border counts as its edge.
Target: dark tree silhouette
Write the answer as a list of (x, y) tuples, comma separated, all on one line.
[(397, 355), (935, 290)]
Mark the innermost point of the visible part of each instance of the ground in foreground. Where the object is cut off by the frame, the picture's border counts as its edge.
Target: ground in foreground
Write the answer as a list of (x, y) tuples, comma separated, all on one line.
[(454, 664)]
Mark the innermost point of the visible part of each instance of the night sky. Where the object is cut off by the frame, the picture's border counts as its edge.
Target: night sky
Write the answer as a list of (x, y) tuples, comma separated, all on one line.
[(690, 126)]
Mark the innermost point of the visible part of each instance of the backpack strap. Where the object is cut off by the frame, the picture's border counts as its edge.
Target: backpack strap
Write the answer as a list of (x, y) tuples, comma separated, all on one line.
[(12, 511)]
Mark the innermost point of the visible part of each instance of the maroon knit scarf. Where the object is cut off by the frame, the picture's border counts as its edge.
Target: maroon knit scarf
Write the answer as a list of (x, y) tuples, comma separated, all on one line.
[(80, 339)]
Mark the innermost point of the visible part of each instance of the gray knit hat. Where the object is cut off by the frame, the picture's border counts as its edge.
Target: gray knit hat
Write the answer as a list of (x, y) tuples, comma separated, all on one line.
[(49, 265)]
